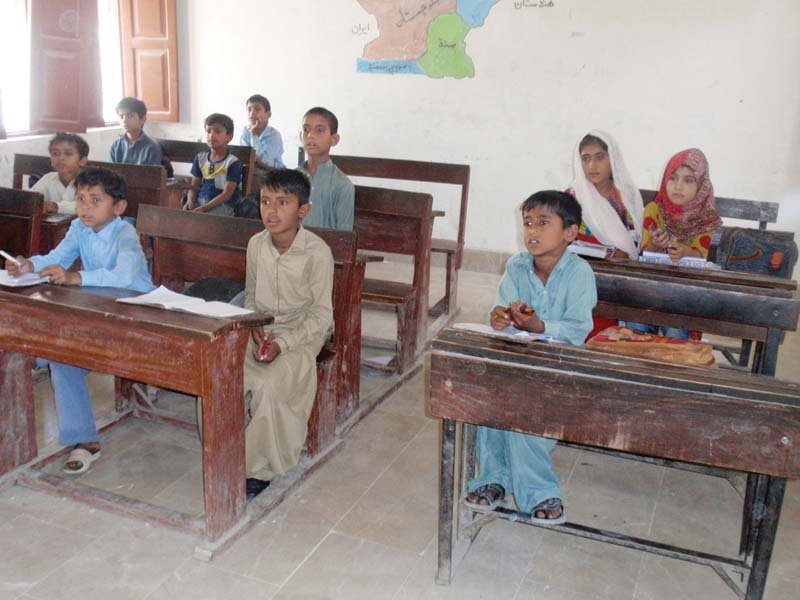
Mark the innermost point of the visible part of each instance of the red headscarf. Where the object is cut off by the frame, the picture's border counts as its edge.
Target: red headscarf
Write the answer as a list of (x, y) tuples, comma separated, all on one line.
[(697, 216)]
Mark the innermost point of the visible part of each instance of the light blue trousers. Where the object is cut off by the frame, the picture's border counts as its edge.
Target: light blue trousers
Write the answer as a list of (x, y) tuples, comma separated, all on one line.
[(519, 462), (73, 403)]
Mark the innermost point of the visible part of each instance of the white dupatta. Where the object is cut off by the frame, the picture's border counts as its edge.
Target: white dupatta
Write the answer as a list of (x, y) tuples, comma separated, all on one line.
[(598, 214)]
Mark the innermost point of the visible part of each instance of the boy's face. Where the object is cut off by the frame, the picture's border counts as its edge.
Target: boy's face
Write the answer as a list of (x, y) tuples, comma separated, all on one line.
[(257, 115), (65, 159), (316, 136), (130, 121), (596, 164), (217, 137), (545, 234), (96, 208), (281, 212)]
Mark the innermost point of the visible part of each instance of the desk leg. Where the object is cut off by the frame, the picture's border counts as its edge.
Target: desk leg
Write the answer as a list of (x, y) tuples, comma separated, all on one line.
[(446, 517), (769, 354), (765, 538), (17, 414), (223, 433)]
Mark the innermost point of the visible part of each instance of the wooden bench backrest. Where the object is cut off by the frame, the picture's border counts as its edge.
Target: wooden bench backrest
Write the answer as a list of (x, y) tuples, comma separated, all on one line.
[(736, 208), (146, 183), (180, 151), (20, 221), (414, 170)]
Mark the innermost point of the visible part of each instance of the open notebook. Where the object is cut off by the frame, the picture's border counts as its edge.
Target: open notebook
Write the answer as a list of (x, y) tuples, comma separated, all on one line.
[(21, 281), (510, 333), (692, 262), (162, 297)]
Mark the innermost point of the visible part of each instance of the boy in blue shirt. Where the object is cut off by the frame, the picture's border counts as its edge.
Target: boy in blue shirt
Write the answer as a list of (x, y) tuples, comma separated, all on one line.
[(112, 256), (265, 140), (545, 290), (332, 193), (134, 147), (216, 173)]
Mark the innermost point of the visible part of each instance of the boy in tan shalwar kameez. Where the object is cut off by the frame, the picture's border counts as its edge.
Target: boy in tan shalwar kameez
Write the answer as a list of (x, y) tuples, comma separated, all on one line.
[(290, 276)]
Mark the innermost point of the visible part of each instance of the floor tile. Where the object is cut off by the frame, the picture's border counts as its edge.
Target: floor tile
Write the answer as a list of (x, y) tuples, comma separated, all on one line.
[(664, 578), (195, 580)]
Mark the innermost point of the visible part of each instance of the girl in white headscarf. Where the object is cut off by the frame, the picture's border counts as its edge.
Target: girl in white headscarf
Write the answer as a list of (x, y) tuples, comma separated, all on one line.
[(611, 203)]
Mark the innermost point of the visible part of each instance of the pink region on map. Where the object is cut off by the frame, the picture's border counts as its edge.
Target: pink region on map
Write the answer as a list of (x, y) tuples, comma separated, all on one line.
[(402, 27)]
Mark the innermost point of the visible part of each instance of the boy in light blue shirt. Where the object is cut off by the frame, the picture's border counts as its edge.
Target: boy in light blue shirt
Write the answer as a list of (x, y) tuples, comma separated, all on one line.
[(265, 140), (111, 256), (548, 290)]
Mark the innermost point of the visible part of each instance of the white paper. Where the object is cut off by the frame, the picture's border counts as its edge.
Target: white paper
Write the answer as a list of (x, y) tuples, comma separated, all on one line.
[(692, 262), (510, 333), (165, 298), (22, 281)]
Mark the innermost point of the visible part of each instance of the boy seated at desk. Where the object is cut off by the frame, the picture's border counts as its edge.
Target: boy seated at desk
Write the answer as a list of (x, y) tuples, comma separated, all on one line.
[(68, 155), (290, 276), (134, 146), (265, 140), (332, 193), (112, 256), (216, 173), (548, 290)]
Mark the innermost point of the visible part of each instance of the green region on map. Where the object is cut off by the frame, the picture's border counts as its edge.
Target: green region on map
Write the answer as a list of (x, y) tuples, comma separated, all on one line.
[(446, 55)]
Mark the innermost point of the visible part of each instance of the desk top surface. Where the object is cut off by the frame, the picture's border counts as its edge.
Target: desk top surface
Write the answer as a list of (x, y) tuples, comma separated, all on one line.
[(100, 303)]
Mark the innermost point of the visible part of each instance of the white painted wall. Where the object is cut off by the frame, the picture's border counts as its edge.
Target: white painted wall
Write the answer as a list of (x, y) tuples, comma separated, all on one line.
[(661, 75)]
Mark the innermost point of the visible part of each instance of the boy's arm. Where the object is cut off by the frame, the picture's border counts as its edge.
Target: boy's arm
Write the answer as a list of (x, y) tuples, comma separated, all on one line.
[(152, 155), (191, 200), (581, 298), (130, 259), (67, 207), (319, 318), (276, 150), (64, 254), (345, 196), (250, 274)]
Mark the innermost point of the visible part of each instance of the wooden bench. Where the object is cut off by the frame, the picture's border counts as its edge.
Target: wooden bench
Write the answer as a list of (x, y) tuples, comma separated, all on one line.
[(179, 151), (147, 184), (188, 247), (398, 222), (20, 221), (428, 172), (625, 404), (735, 208)]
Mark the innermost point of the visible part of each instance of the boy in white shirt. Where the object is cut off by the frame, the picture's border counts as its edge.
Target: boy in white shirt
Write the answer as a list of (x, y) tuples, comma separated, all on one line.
[(68, 156)]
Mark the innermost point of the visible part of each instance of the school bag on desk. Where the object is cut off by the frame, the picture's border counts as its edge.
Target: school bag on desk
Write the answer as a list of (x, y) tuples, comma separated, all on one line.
[(754, 251)]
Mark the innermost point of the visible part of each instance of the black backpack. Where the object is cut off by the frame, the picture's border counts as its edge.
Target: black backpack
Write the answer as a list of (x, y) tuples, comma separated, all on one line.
[(754, 251)]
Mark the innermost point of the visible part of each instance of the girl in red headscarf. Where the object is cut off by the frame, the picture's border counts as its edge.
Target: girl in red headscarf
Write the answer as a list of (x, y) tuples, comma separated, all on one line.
[(682, 218)]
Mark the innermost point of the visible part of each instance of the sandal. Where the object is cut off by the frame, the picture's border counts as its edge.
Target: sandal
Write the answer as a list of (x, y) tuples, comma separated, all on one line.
[(79, 460), (546, 507), (492, 493)]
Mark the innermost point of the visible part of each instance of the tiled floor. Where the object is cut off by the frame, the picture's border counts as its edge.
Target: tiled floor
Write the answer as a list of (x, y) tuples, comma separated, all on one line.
[(364, 525)]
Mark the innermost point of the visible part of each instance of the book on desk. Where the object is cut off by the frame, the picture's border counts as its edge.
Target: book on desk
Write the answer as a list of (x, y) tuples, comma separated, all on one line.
[(162, 297)]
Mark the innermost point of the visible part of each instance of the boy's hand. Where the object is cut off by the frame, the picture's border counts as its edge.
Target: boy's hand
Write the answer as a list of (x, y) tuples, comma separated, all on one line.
[(500, 318), (50, 207), (24, 266), (201, 209), (524, 317), (61, 276), (189, 205)]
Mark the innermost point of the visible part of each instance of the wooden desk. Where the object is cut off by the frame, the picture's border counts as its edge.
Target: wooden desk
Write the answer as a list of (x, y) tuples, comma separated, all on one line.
[(193, 354), (741, 305), (625, 404)]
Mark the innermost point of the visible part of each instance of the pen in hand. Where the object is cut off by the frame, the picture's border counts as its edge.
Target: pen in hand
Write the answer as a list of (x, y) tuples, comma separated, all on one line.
[(7, 256)]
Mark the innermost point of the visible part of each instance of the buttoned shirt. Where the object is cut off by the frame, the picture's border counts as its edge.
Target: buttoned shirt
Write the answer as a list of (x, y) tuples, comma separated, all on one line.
[(564, 303), (144, 151), (50, 186), (333, 198), (111, 257), (268, 146)]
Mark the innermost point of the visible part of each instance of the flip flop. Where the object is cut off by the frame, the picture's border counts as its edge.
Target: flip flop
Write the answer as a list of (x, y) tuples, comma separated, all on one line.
[(493, 493), (82, 456), (550, 505)]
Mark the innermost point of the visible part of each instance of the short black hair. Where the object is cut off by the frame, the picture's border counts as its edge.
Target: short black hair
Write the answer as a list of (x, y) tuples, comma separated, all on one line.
[(260, 99), (333, 122), (132, 104), (220, 119), (561, 203), (62, 136), (589, 139), (112, 182), (288, 181)]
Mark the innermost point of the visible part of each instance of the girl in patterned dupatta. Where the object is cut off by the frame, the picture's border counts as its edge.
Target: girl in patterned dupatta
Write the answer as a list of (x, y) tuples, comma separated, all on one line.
[(611, 203), (682, 218)]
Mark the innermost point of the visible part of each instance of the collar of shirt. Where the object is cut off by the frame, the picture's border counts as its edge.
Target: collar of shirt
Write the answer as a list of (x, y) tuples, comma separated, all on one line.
[(136, 141), (323, 168), (106, 234), (563, 263), (298, 243)]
